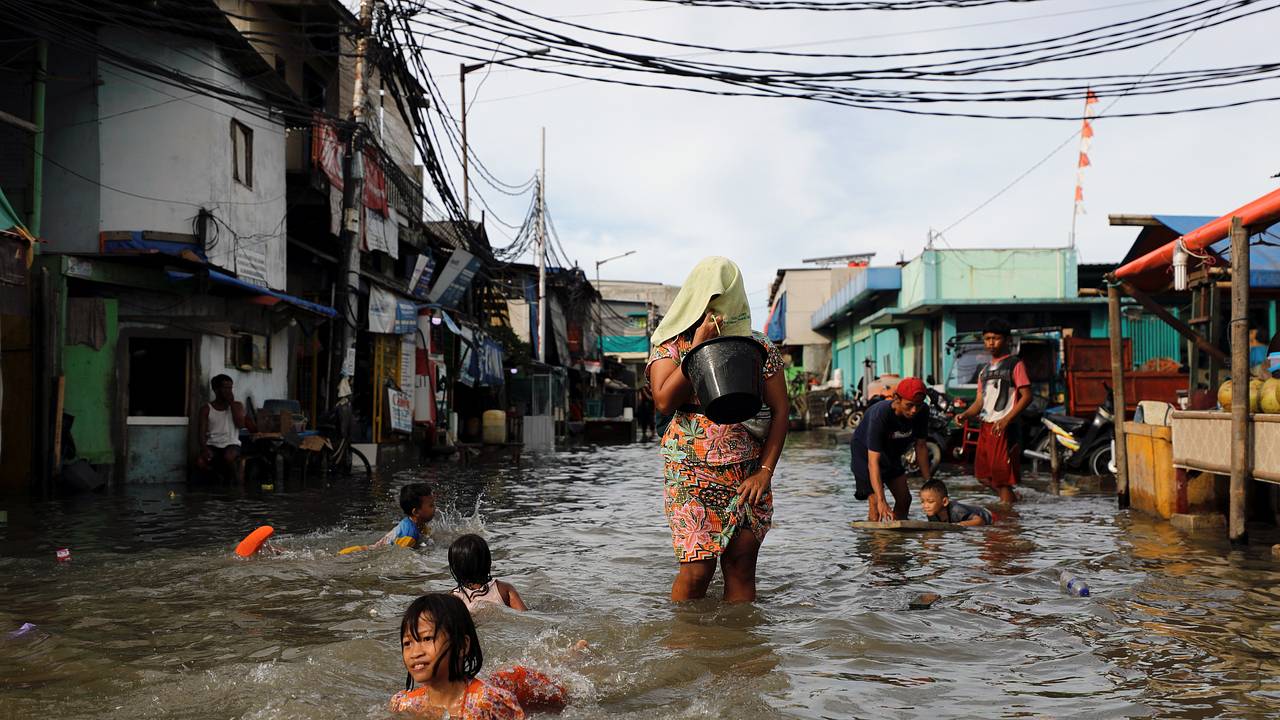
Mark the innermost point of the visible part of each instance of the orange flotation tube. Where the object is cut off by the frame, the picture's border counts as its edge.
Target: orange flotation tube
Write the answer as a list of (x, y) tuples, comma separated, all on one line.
[(534, 691), (254, 540)]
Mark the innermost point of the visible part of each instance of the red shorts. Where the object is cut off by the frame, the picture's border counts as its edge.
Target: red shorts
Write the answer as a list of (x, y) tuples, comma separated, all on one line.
[(997, 462)]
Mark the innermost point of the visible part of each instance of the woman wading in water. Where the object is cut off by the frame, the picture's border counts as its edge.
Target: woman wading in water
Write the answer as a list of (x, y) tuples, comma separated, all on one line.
[(718, 498)]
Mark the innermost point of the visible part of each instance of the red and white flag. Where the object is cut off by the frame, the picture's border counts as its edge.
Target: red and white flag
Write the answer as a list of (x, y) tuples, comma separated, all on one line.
[(1082, 161)]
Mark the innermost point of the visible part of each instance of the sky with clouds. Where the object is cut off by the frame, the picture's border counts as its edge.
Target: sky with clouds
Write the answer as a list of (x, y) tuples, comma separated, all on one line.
[(677, 176)]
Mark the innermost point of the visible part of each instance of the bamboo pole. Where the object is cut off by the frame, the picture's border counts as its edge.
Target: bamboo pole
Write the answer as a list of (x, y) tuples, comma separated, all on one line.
[(1055, 464), (1239, 378), (1117, 382)]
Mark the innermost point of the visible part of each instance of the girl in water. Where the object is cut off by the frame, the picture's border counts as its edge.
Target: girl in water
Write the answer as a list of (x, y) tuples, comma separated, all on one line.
[(470, 563), (441, 652), (718, 497)]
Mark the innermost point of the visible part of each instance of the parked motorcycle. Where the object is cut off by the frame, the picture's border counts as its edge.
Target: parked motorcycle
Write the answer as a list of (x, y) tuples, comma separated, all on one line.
[(1086, 446), (941, 431), (841, 410)]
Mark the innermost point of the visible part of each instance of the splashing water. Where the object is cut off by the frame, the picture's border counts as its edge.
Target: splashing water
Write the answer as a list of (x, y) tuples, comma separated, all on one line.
[(156, 618)]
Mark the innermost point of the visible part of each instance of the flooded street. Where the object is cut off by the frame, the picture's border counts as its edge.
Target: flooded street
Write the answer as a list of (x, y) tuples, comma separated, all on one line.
[(155, 617)]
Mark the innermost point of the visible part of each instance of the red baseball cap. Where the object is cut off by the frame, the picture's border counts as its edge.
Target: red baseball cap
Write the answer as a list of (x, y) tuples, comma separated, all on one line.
[(910, 388)]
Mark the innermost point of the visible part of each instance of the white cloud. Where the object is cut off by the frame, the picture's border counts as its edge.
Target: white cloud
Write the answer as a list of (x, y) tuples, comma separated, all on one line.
[(677, 176)]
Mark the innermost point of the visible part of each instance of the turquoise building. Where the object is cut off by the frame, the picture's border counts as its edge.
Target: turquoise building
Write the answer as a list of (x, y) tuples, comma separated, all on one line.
[(899, 319)]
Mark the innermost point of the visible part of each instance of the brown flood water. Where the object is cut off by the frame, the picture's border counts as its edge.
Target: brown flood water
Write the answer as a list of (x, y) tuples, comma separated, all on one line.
[(155, 617)]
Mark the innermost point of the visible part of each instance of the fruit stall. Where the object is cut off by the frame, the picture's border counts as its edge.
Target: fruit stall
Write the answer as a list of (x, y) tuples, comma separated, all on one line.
[(1210, 453)]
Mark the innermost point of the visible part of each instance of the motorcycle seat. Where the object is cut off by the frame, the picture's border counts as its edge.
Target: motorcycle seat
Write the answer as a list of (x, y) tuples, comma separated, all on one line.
[(1066, 422)]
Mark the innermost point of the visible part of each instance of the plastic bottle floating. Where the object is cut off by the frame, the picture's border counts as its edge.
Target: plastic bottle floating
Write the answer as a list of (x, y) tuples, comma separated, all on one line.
[(1073, 585), (63, 555), (253, 541)]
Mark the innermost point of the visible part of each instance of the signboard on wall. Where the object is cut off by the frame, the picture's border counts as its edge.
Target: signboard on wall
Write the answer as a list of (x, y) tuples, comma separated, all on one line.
[(454, 279), (382, 311), (389, 315), (327, 150), (406, 317), (420, 281), (400, 407), (408, 360)]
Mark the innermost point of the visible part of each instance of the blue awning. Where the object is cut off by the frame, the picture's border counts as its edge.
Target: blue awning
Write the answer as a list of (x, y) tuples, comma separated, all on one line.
[(863, 285), (776, 328), (235, 282)]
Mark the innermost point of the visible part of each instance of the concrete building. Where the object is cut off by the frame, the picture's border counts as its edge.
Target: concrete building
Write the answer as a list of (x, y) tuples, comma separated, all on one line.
[(630, 310), (897, 320), (903, 319), (796, 293), (164, 216)]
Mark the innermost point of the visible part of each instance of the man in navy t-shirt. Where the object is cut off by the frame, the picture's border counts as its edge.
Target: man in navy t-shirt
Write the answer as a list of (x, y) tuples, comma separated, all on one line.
[(887, 430)]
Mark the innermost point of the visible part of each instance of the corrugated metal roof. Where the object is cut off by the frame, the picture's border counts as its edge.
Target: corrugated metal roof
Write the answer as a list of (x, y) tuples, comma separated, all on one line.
[(1264, 256)]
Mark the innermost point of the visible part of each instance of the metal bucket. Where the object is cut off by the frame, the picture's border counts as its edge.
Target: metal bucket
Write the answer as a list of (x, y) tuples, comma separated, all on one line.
[(727, 377)]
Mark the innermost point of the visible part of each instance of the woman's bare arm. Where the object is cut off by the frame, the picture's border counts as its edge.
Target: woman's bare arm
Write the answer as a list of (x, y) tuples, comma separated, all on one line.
[(671, 388), (775, 396)]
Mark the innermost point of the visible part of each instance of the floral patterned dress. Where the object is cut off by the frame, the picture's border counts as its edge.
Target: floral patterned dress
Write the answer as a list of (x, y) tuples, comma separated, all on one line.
[(704, 464)]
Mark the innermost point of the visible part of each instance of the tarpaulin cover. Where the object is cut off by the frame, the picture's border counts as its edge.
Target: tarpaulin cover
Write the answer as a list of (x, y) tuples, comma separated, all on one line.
[(229, 281), (625, 343), (1264, 248), (9, 218), (480, 362), (776, 328)]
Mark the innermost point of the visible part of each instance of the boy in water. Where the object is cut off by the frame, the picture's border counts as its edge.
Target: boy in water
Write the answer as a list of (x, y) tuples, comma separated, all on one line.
[(419, 506), (939, 508), (1004, 391), (887, 430)]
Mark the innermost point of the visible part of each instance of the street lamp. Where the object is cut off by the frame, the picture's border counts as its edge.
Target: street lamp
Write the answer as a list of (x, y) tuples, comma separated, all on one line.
[(599, 312), (462, 81), (601, 262)]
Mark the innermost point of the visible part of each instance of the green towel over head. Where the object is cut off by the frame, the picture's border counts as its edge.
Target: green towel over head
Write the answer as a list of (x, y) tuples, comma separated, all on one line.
[(715, 285)]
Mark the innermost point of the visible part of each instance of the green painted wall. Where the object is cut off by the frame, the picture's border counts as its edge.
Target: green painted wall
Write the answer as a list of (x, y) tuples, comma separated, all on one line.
[(917, 277), (985, 274), (90, 392), (888, 343), (948, 332), (1151, 338)]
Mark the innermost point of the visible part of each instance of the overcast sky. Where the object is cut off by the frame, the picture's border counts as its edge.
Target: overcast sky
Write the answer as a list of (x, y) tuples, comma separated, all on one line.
[(677, 176)]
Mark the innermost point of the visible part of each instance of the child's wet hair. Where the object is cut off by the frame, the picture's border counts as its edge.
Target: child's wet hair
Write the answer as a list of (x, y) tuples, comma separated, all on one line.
[(450, 616), (470, 560), (935, 486), (411, 496)]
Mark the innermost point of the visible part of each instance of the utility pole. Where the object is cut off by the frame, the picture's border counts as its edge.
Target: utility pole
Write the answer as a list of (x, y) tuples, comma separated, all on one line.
[(466, 180), (542, 253), (352, 200), (463, 69)]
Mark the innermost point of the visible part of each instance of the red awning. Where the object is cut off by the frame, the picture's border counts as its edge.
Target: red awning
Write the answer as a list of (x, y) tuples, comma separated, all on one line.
[(1264, 211)]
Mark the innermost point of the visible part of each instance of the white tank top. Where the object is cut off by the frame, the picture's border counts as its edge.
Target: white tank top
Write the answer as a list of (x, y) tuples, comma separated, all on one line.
[(222, 428), (478, 596)]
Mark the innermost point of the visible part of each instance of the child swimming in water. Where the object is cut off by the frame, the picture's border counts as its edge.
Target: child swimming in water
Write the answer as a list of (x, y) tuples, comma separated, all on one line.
[(938, 507), (419, 506), (470, 562), (441, 652)]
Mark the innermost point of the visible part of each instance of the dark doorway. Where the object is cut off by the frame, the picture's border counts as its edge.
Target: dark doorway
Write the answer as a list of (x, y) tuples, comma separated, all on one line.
[(159, 377)]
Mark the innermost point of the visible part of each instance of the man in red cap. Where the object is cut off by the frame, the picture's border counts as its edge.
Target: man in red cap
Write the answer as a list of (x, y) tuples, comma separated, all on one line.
[(888, 429)]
